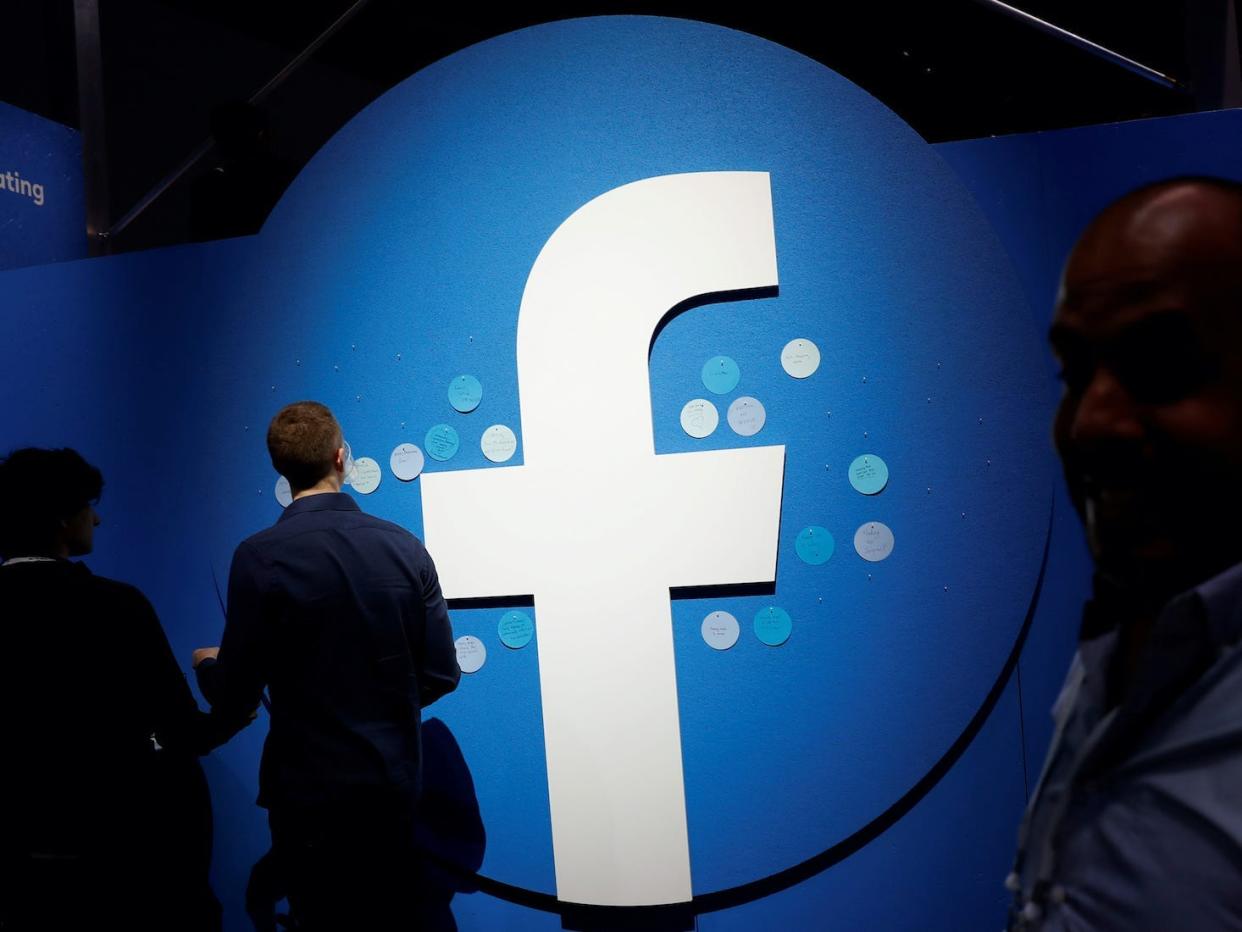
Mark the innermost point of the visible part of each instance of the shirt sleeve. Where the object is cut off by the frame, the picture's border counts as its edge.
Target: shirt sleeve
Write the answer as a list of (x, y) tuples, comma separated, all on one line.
[(234, 683), (438, 672), (178, 723)]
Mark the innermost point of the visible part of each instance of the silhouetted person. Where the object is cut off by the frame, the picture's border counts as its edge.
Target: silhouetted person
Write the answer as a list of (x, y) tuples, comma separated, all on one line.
[(1136, 822), (341, 615), (106, 821)]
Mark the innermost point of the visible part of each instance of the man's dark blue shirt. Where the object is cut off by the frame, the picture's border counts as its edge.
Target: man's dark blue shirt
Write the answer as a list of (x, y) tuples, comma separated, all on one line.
[(340, 615)]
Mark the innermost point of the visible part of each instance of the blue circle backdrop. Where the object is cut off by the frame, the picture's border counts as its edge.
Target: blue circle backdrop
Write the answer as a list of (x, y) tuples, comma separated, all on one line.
[(397, 261)]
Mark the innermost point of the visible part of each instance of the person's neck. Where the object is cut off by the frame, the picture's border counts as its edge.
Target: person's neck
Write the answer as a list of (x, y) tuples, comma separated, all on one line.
[(322, 487)]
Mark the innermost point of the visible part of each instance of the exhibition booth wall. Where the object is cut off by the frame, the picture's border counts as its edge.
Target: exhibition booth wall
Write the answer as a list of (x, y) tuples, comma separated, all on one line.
[(869, 578)]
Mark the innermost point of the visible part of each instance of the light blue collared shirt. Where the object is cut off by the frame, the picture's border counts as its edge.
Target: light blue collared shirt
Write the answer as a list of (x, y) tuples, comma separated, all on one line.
[(1136, 822)]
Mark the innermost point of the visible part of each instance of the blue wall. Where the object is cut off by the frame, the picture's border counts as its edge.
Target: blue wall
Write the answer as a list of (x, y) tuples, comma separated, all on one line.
[(42, 202), (397, 261)]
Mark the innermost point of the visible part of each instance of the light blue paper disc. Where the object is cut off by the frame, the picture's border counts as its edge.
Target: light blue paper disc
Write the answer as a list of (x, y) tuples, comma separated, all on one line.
[(721, 375), (515, 629), (815, 545), (464, 393), (441, 442), (773, 625), (868, 474)]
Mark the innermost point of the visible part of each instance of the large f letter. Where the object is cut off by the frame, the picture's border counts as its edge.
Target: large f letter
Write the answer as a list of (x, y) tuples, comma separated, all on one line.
[(599, 528)]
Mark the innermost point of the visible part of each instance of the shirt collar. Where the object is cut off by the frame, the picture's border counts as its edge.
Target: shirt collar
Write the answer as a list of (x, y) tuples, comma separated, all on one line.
[(322, 501)]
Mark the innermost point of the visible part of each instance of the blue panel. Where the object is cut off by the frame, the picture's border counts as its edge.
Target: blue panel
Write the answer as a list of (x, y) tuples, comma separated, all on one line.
[(397, 262), (42, 212)]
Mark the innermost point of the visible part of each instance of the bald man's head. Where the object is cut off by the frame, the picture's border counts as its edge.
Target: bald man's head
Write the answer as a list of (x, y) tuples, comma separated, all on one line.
[(1148, 328)]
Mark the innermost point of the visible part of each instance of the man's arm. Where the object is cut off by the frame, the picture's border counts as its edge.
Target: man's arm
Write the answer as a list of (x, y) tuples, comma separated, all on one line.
[(233, 680), (178, 722), (438, 671)]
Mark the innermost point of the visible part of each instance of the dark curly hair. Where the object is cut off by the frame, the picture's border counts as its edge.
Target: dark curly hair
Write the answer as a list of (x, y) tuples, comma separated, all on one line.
[(38, 490)]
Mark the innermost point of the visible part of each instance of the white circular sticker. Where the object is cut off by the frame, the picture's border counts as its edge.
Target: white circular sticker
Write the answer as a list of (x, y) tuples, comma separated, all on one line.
[(746, 416), (699, 418), (721, 630), (499, 443), (874, 541), (406, 462), (471, 654), (800, 358), (366, 475), (284, 494)]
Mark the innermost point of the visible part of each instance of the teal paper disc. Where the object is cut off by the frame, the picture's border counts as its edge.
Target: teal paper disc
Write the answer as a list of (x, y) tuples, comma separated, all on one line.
[(721, 375), (515, 629), (868, 474), (441, 442), (815, 545), (773, 626)]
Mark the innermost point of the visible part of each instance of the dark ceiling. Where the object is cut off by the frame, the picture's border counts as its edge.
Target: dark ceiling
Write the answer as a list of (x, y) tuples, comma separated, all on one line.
[(953, 69)]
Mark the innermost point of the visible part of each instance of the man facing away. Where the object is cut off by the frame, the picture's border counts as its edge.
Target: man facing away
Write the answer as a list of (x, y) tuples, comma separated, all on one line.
[(1136, 822), (340, 615)]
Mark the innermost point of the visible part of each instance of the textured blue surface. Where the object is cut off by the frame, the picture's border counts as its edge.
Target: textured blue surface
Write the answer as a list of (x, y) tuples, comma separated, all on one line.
[(49, 155), (397, 261)]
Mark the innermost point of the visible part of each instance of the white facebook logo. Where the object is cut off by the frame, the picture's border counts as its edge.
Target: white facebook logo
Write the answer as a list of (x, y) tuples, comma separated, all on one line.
[(598, 528)]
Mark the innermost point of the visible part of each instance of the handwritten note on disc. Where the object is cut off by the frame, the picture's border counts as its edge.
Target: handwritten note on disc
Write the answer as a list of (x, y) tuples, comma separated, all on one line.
[(464, 393), (874, 541), (699, 418), (868, 474), (815, 545), (747, 416), (515, 629), (800, 358), (498, 443), (406, 462), (720, 630), (721, 375), (773, 625), (367, 475), (441, 442), (471, 653)]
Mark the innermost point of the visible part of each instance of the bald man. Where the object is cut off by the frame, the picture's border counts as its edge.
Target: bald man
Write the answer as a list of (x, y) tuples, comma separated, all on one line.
[(1136, 822)]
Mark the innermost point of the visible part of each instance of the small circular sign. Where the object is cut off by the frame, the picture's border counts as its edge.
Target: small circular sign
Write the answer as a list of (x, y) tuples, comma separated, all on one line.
[(367, 475), (869, 474), (471, 653), (721, 375), (441, 442), (499, 443), (464, 393), (699, 418), (515, 629), (720, 630), (284, 494), (815, 545), (874, 541), (800, 358), (406, 462), (746, 416), (773, 625)]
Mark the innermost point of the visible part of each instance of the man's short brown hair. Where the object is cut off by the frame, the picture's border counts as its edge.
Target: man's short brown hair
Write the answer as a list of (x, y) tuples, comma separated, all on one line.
[(303, 439)]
